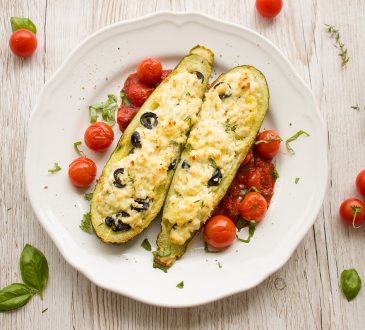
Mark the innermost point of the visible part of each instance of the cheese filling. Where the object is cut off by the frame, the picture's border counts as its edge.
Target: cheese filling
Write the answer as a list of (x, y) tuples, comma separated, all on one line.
[(219, 136), (146, 168)]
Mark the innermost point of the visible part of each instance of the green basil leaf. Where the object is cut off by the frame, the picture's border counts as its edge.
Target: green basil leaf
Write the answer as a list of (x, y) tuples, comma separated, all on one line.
[(146, 245), (88, 196), (22, 23), (293, 138), (14, 296), (34, 268), (251, 232), (206, 249), (85, 224), (350, 283), (180, 285)]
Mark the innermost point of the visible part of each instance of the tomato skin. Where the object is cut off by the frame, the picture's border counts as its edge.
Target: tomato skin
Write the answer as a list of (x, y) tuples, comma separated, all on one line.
[(253, 207), (136, 92), (347, 213), (149, 71), (23, 43), (99, 136), (248, 158), (219, 231), (269, 8), (360, 183), (268, 150), (82, 172), (165, 73), (253, 178), (125, 114)]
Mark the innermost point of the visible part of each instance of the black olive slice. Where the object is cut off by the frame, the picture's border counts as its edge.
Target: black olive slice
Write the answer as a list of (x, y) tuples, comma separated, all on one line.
[(136, 140), (143, 205), (117, 181), (172, 165), (199, 75), (174, 226), (185, 165), (226, 94), (122, 214), (216, 178), (109, 221), (120, 226), (149, 120)]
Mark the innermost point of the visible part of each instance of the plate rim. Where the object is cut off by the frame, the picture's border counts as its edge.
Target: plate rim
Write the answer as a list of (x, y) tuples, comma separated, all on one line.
[(280, 259)]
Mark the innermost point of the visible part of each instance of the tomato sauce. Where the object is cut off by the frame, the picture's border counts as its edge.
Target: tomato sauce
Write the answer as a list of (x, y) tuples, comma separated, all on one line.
[(257, 173)]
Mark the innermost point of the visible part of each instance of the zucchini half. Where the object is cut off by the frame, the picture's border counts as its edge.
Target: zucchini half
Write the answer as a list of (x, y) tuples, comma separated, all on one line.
[(231, 116), (133, 185)]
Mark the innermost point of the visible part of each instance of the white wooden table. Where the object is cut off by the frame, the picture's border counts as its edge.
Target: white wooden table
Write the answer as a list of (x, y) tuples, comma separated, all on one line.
[(305, 293)]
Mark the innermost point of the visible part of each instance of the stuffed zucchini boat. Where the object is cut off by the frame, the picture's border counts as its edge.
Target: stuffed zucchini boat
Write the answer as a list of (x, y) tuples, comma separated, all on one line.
[(231, 116), (133, 185)]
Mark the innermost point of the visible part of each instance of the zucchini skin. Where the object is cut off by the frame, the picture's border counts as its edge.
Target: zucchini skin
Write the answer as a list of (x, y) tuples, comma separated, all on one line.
[(168, 251), (199, 59)]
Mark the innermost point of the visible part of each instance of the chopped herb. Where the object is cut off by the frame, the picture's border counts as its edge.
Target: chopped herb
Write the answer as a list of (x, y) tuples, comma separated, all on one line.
[(230, 127), (212, 163), (188, 147), (86, 223), (162, 253), (297, 180), (106, 108), (187, 118), (219, 265), (88, 196), (275, 138), (188, 94), (207, 250), (356, 107), (202, 204), (124, 98), (146, 245), (241, 223), (334, 33), (55, 169), (180, 285), (244, 192), (174, 143), (156, 265), (76, 147), (251, 232), (275, 173), (292, 138)]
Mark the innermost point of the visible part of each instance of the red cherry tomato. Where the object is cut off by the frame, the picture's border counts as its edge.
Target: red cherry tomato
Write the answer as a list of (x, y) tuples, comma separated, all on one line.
[(269, 149), (253, 207), (23, 43), (125, 114), (253, 178), (348, 209), (219, 231), (269, 8), (82, 172), (136, 92), (99, 136), (248, 158), (360, 183), (149, 71)]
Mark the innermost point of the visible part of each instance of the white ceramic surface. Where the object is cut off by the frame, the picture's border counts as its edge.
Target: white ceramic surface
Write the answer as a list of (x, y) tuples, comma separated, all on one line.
[(99, 66)]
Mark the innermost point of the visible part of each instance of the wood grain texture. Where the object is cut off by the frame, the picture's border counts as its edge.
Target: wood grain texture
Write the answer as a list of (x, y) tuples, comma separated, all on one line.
[(304, 294)]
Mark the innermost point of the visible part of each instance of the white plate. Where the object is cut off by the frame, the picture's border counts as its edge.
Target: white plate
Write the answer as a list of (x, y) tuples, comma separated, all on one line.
[(99, 66)]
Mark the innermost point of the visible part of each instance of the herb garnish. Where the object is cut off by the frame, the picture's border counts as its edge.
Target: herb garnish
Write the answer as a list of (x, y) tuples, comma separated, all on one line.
[(34, 271), (146, 245), (212, 163), (356, 107), (350, 283), (22, 23), (180, 285), (251, 232), (207, 250), (244, 192), (241, 223), (124, 98), (275, 173), (296, 180), (275, 138), (106, 108), (163, 268), (230, 127), (86, 223), (76, 147), (165, 253), (55, 169), (334, 33), (219, 265), (88, 196), (292, 138)]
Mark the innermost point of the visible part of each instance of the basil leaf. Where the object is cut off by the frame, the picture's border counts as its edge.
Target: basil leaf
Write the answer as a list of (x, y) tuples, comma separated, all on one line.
[(206, 249), (85, 224), (158, 266), (34, 268), (106, 108), (293, 138), (241, 223), (251, 232), (146, 245), (55, 169), (14, 296), (88, 196), (77, 149), (22, 23), (180, 285), (350, 283)]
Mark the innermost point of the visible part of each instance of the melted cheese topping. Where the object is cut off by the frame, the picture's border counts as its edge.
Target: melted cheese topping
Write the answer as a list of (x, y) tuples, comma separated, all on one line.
[(219, 136), (145, 169)]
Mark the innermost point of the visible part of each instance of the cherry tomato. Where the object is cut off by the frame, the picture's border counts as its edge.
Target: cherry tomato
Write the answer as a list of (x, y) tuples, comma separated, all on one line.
[(125, 114), (149, 71), (219, 231), (82, 172), (269, 8), (270, 149), (135, 91), (360, 183), (248, 158), (253, 178), (23, 43), (348, 209), (99, 136), (165, 73), (253, 207)]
